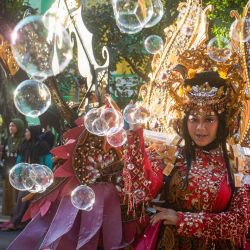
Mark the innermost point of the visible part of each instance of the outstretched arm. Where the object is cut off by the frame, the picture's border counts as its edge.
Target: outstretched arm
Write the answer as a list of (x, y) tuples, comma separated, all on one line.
[(142, 171)]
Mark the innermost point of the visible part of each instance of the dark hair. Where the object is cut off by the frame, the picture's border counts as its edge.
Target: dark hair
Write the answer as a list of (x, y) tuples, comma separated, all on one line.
[(211, 77), (36, 147), (189, 150), (35, 132)]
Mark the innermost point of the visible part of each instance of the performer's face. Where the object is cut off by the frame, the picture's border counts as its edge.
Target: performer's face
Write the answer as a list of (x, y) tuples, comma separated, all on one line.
[(202, 128)]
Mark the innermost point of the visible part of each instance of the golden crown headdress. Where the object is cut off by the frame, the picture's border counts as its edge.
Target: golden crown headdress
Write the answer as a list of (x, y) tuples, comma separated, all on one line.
[(190, 86)]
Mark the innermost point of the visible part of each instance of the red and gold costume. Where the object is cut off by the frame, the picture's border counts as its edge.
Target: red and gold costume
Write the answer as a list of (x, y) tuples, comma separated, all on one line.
[(210, 214)]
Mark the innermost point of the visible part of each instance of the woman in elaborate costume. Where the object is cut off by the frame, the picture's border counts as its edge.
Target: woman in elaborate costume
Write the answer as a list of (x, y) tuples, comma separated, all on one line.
[(206, 202)]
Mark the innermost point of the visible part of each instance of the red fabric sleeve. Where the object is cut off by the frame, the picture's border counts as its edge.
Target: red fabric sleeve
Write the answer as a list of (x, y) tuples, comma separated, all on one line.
[(146, 171), (232, 224)]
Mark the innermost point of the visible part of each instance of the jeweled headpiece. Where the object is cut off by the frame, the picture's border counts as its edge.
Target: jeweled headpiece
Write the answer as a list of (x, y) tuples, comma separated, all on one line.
[(198, 83), (205, 91)]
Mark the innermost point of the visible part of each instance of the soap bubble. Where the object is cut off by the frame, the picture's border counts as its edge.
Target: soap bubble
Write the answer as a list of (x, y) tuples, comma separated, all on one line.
[(38, 179), (128, 30), (52, 17), (17, 175), (132, 15), (219, 49), (99, 127), (91, 123), (134, 114), (240, 30), (157, 13), (39, 50), (113, 118), (83, 197), (116, 137), (32, 98), (100, 121), (153, 44)]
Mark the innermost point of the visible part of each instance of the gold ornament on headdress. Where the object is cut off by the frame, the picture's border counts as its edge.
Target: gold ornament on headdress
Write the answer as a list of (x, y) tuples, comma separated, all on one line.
[(166, 91), (203, 97), (7, 57)]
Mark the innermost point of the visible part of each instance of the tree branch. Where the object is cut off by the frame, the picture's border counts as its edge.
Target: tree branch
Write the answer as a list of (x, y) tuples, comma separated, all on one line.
[(135, 69)]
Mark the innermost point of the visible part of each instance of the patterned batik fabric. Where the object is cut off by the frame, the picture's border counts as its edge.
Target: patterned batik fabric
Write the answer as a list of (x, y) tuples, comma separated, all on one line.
[(208, 218), (210, 214)]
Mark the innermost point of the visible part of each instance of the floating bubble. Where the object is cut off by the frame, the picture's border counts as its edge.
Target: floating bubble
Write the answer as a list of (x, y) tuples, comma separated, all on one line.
[(219, 49), (52, 17), (129, 113), (39, 50), (100, 127), (91, 121), (17, 175), (134, 114), (116, 138), (132, 15), (113, 119), (127, 30), (101, 121), (83, 197), (240, 30), (32, 98), (153, 44), (38, 78), (157, 13), (38, 179)]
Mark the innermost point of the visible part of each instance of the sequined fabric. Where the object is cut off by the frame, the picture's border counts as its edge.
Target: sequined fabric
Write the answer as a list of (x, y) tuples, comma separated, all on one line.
[(210, 214), (202, 223)]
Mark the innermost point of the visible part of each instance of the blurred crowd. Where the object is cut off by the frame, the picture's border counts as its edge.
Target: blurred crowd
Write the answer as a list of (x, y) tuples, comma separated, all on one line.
[(28, 144)]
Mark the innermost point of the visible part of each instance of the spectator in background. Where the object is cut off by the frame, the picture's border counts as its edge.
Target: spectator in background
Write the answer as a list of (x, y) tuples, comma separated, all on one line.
[(52, 123), (34, 149), (11, 146)]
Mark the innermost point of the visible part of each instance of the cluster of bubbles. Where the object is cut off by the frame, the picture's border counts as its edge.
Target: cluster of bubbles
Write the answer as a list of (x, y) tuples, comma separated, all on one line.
[(32, 98), (132, 16), (109, 122), (42, 47), (83, 197), (106, 122), (34, 178), (220, 48)]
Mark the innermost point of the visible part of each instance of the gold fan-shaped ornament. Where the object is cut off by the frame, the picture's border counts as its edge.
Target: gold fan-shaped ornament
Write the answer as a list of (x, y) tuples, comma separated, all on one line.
[(189, 31), (7, 56), (245, 121), (164, 94)]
